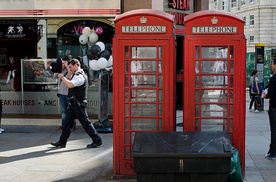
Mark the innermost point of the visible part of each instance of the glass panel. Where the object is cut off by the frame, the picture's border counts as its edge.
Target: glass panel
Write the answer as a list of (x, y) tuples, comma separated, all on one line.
[(160, 94), (160, 110), (160, 52), (126, 137), (213, 124), (126, 66), (230, 125), (126, 110), (211, 82), (196, 67), (231, 82), (214, 110), (214, 52), (143, 124), (127, 152), (143, 66), (196, 52), (143, 80), (127, 81), (140, 95), (231, 70), (160, 66), (143, 110), (160, 124), (207, 67), (197, 124), (143, 52), (126, 52), (160, 81), (126, 124), (132, 135), (231, 53)]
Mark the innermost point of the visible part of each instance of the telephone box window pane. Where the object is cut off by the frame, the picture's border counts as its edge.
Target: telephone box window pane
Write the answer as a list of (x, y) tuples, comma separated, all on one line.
[(214, 110), (159, 124), (231, 67), (231, 53), (127, 124), (126, 110), (160, 66), (197, 110), (213, 67), (126, 66), (148, 66), (213, 124), (143, 52), (136, 66), (213, 52), (160, 110), (160, 94), (212, 81), (143, 124), (160, 52), (197, 70), (231, 81), (143, 110), (141, 95), (126, 52), (127, 81), (160, 81), (144, 80), (196, 52), (230, 125)]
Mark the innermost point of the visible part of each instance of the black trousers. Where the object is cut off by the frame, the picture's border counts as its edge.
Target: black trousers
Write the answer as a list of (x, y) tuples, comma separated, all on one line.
[(79, 112)]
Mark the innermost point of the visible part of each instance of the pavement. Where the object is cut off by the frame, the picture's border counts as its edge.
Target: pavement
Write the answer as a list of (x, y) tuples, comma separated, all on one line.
[(26, 155)]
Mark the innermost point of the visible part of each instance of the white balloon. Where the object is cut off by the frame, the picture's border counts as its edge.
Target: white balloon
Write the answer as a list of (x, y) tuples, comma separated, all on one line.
[(102, 63), (93, 38), (110, 61), (83, 39), (93, 64), (101, 45), (86, 31)]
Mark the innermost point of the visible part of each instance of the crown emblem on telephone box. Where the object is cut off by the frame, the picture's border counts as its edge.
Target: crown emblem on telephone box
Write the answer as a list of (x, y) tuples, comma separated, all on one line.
[(214, 20), (143, 20)]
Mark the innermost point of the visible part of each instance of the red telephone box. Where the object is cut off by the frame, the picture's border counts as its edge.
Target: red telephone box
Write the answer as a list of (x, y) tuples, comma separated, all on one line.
[(214, 75), (143, 80)]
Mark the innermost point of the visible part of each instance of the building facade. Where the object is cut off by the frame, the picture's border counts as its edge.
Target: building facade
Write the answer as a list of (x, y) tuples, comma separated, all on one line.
[(35, 29), (259, 28)]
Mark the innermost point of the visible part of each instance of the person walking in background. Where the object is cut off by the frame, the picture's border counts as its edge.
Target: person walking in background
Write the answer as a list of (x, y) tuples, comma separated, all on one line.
[(11, 69), (253, 80), (63, 95), (77, 94), (271, 95)]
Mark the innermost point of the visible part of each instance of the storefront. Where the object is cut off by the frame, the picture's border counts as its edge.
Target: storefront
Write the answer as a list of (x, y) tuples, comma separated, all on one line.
[(41, 32)]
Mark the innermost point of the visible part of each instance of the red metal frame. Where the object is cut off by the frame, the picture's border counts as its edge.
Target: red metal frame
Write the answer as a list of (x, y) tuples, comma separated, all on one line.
[(154, 108), (199, 93)]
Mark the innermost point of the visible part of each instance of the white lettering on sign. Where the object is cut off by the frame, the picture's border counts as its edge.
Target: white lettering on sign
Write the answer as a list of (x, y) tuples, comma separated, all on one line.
[(215, 29), (143, 29)]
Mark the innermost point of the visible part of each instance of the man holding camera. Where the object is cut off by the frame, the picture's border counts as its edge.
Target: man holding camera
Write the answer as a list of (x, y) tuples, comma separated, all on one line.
[(77, 94)]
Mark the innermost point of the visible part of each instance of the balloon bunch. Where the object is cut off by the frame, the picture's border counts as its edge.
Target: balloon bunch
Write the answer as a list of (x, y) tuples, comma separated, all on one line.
[(99, 54)]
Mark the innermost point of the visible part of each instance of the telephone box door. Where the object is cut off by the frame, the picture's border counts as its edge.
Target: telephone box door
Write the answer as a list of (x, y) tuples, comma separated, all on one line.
[(143, 91), (214, 75)]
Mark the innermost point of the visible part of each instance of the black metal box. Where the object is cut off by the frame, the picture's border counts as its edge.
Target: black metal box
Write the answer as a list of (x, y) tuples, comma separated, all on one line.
[(182, 156)]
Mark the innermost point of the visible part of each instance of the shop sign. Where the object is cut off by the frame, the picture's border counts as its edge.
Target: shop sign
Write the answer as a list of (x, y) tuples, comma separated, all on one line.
[(15, 31), (144, 29), (214, 29), (180, 9)]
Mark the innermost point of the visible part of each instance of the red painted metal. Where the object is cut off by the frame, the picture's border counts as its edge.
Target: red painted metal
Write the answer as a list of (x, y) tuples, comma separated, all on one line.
[(143, 80), (212, 99)]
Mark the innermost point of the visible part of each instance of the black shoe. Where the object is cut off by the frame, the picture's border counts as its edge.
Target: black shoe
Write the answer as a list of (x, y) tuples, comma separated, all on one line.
[(94, 145), (58, 144)]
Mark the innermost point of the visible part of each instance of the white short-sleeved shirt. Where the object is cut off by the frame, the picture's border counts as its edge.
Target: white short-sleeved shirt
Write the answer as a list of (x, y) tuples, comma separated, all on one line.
[(78, 79)]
